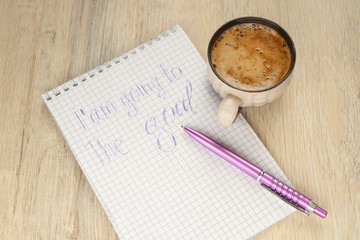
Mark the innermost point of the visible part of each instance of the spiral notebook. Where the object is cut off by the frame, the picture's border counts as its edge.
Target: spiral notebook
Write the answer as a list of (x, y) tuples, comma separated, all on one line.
[(122, 121)]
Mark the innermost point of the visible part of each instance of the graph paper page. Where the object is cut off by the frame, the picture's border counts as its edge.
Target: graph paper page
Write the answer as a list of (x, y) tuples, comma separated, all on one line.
[(123, 122)]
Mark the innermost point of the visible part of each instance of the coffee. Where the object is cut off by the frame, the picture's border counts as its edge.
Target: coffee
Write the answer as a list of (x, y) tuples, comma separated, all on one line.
[(251, 56)]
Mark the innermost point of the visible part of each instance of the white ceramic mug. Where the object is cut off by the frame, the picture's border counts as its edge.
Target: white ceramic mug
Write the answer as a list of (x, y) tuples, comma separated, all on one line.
[(234, 98)]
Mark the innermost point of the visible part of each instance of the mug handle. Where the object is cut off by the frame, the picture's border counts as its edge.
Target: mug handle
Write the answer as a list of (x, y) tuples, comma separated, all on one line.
[(228, 110)]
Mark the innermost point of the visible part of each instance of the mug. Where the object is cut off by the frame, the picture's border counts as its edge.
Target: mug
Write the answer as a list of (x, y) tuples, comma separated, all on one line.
[(235, 98)]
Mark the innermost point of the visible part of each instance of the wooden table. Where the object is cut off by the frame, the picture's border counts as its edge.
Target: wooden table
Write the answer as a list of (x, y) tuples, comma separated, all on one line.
[(313, 131)]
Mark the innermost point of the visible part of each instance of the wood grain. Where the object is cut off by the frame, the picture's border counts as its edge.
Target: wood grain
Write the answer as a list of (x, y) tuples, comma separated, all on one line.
[(313, 131)]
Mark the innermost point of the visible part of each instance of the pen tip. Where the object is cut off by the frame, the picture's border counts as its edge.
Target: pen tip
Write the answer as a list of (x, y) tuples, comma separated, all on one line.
[(182, 126)]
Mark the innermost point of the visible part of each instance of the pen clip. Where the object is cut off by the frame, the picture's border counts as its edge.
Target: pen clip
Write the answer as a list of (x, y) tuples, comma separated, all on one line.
[(301, 210)]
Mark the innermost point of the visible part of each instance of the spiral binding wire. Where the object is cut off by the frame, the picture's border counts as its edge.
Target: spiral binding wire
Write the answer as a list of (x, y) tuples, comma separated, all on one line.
[(103, 67)]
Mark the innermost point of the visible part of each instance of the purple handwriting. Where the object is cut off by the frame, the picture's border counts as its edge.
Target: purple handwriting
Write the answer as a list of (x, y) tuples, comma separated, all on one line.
[(176, 73), (129, 99), (107, 151), (95, 115), (156, 126)]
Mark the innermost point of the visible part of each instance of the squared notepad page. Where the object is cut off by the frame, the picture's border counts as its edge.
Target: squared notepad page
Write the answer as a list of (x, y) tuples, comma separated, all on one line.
[(123, 122)]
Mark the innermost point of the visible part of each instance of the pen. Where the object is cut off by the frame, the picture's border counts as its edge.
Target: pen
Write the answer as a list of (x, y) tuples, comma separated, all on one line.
[(289, 195)]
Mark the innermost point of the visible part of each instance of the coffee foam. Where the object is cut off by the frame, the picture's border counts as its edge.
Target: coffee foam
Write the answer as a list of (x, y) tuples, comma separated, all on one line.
[(251, 56)]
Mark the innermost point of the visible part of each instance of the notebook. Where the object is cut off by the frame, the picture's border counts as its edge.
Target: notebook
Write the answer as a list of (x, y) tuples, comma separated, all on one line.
[(122, 121)]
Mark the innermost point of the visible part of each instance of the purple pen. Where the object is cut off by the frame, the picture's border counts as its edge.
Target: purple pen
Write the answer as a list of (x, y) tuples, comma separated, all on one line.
[(297, 200)]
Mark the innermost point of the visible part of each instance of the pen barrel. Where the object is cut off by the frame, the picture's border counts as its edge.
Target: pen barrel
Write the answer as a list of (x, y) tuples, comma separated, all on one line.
[(239, 162), (231, 157), (284, 190), (255, 172)]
